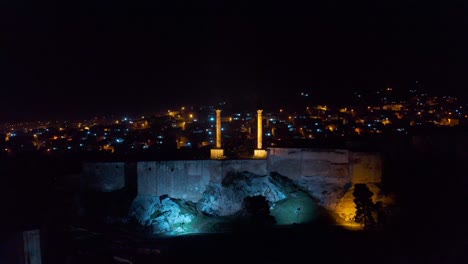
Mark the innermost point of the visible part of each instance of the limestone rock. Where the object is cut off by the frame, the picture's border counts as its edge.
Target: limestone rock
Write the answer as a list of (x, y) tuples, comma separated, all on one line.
[(226, 198), (288, 202), (164, 214)]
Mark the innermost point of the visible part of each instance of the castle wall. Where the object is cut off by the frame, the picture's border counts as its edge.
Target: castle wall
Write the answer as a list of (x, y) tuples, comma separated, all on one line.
[(103, 176), (326, 174), (188, 179), (366, 167), (180, 179), (296, 162)]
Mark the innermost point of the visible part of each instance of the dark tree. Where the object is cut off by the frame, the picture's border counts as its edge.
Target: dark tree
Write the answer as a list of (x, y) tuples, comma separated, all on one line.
[(364, 205), (256, 210)]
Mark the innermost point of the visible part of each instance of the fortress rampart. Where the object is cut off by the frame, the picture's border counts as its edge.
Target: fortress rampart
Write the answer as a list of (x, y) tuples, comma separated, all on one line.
[(328, 174)]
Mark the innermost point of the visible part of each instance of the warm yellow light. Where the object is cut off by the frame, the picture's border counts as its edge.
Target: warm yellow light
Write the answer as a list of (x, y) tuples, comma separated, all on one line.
[(191, 116), (259, 129), (218, 128), (386, 121)]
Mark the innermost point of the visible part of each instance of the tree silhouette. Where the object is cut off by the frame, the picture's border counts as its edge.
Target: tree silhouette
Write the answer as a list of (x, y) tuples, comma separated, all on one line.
[(364, 205), (256, 210)]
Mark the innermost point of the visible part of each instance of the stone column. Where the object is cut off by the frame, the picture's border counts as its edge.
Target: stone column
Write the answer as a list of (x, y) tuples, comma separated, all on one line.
[(218, 128), (259, 129), (218, 152), (259, 153)]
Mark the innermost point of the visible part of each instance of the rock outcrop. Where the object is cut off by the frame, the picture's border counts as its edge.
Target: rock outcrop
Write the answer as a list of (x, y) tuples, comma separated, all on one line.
[(223, 202)]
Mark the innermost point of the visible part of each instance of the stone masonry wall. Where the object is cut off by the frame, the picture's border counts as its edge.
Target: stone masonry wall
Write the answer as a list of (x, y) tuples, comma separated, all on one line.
[(326, 174)]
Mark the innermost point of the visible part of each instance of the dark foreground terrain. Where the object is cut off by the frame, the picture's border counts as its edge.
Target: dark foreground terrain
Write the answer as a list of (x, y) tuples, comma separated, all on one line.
[(302, 244)]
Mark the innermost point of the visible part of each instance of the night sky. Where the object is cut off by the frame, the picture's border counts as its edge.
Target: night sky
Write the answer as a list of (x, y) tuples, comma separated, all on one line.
[(74, 58)]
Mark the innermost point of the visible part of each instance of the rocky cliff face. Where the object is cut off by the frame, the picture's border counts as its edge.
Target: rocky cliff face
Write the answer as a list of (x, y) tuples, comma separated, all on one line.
[(223, 202), (164, 214)]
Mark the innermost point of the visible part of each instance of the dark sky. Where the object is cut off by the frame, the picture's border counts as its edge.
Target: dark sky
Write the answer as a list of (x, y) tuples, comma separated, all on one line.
[(80, 57)]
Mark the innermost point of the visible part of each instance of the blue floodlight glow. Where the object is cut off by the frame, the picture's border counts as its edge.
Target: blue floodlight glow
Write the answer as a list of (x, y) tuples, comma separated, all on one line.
[(119, 140), (211, 118)]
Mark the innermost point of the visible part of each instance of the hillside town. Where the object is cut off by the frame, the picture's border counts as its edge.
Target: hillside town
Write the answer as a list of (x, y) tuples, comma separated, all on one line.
[(189, 131)]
